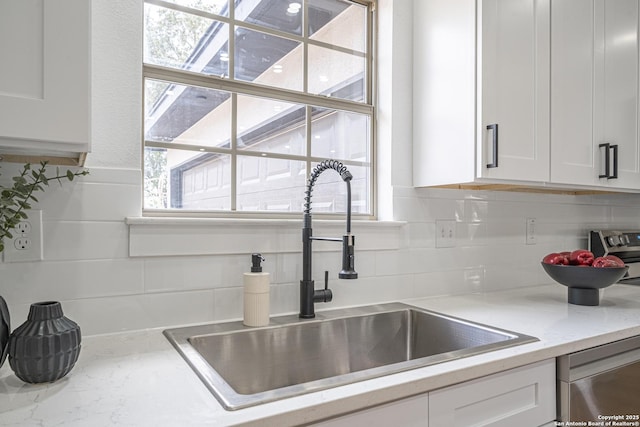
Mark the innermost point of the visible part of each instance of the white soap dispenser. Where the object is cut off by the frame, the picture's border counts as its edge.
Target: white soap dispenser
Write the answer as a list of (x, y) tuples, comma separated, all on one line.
[(256, 294)]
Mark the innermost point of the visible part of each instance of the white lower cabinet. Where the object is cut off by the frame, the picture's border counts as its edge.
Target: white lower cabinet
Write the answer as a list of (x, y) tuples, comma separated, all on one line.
[(524, 396)]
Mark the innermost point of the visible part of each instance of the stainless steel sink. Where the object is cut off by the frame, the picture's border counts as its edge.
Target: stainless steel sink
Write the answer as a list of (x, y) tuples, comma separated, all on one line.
[(247, 366)]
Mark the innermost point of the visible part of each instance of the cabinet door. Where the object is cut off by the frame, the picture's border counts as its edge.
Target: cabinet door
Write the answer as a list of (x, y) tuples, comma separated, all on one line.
[(594, 92), (573, 158), (410, 412), (616, 88), (44, 77), (514, 89), (519, 397)]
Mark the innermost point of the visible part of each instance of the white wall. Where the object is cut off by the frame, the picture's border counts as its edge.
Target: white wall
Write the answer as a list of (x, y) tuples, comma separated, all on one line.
[(86, 241)]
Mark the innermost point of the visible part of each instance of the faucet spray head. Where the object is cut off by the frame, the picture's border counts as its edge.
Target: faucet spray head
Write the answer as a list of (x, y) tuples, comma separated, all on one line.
[(348, 258)]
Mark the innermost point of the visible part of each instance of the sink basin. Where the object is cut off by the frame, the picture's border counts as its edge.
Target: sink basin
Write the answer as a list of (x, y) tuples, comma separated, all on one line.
[(247, 366)]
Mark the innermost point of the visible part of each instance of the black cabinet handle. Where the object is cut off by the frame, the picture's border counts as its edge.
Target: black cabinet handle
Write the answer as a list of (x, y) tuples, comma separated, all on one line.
[(615, 162), (608, 148), (494, 162), (607, 160)]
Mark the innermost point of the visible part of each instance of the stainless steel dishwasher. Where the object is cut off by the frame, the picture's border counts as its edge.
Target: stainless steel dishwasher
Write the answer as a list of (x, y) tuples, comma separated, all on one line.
[(601, 383)]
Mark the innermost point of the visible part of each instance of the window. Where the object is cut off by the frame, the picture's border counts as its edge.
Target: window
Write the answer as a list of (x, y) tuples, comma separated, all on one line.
[(243, 98)]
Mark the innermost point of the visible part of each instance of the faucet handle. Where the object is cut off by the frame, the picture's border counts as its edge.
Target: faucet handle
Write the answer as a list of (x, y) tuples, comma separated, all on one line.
[(323, 295)]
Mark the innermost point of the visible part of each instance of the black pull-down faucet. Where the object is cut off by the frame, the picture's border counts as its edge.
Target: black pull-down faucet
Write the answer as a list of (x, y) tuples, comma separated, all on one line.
[(308, 294)]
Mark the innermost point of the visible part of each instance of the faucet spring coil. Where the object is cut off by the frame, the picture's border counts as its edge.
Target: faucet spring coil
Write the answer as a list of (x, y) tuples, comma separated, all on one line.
[(321, 167)]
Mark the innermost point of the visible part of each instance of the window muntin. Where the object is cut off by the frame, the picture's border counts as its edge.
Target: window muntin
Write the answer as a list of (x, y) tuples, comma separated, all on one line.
[(218, 7), (240, 132)]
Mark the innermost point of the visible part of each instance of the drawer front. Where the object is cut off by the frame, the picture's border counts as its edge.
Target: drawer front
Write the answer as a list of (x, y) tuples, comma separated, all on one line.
[(521, 396), (410, 412)]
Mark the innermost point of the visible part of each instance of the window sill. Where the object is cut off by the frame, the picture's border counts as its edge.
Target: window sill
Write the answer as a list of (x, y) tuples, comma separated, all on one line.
[(164, 236)]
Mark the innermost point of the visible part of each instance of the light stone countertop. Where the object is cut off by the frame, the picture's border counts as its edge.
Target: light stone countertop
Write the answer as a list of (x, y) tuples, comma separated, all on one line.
[(138, 379)]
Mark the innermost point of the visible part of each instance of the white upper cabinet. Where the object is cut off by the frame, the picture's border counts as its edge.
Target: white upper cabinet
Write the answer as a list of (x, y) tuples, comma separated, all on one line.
[(481, 91), (514, 90), (45, 78), (594, 93)]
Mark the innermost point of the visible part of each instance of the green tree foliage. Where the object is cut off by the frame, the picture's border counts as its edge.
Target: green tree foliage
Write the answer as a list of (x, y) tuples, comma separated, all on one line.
[(171, 36), (155, 179)]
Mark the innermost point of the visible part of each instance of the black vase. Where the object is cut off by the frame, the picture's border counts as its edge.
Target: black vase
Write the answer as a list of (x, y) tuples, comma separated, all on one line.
[(5, 329), (45, 347)]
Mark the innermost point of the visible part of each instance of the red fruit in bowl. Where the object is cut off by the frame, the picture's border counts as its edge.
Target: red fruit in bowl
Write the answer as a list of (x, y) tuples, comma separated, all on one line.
[(607, 261), (616, 259), (556, 259), (581, 257)]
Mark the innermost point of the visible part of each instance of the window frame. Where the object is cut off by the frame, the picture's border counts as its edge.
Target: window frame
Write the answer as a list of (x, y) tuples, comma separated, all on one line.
[(246, 88)]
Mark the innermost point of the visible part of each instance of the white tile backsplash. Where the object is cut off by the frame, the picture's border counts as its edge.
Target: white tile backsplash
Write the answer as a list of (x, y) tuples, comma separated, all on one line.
[(140, 311), (87, 264), (84, 240), (26, 282)]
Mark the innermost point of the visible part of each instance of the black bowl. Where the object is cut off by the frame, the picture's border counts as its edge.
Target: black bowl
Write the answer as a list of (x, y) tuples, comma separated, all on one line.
[(584, 282)]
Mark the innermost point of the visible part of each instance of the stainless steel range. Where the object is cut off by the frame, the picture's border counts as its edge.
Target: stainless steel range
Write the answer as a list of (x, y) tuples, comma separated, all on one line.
[(623, 244)]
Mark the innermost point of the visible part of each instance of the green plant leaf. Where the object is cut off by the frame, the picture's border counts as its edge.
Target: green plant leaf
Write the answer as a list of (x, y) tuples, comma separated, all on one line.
[(14, 199)]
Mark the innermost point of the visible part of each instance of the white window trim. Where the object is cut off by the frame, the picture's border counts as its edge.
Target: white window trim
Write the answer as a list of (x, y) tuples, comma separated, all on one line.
[(152, 237), (155, 72)]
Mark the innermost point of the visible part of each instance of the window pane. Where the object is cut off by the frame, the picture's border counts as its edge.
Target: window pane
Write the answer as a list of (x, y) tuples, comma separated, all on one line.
[(185, 41), (196, 180), (266, 184), (156, 178), (282, 15), (336, 74), (219, 7), (329, 194), (339, 134), (268, 60), (271, 126), (339, 23), (187, 114)]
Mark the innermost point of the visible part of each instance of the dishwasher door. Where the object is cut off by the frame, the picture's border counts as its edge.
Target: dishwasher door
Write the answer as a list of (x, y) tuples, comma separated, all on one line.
[(601, 382)]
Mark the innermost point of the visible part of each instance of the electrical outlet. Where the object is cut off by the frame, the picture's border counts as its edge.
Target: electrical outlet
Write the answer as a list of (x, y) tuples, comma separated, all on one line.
[(445, 233), (23, 228), (26, 244), (531, 237), (23, 243)]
